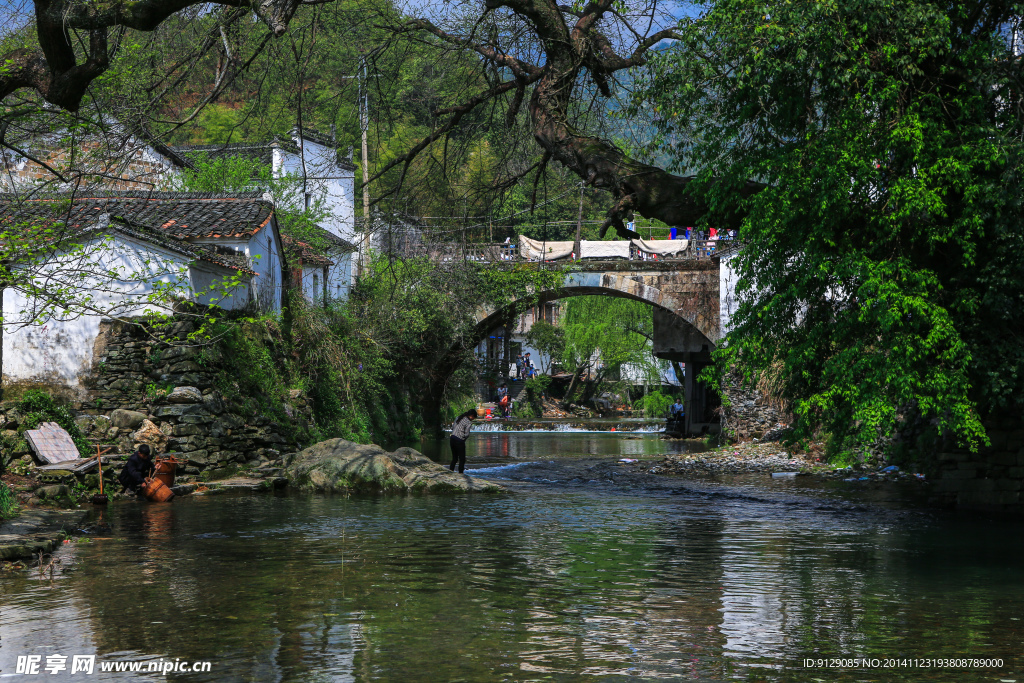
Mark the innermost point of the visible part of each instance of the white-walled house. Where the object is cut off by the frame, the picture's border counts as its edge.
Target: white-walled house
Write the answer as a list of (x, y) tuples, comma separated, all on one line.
[(120, 249), (329, 183), (121, 158), (320, 277), (243, 223)]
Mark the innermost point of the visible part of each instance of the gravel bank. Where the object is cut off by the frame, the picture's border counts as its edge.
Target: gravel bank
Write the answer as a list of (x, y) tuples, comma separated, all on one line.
[(737, 459)]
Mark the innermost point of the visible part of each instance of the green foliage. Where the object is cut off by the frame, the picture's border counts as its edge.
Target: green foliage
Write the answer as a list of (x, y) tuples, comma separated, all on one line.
[(8, 503), (155, 391), (345, 378), (255, 376), (615, 331), (884, 259), (535, 388), (654, 404), (603, 335), (225, 173), (548, 339), (39, 406), (219, 123)]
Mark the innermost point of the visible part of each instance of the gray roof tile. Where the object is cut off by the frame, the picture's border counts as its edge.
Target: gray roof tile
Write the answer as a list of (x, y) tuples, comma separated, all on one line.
[(184, 215)]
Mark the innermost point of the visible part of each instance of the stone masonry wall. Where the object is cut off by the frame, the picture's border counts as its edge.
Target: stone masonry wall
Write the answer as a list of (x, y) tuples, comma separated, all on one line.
[(991, 479), (145, 391), (750, 416)]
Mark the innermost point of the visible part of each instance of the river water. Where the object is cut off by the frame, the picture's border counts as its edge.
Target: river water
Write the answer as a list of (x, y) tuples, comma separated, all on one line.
[(579, 574)]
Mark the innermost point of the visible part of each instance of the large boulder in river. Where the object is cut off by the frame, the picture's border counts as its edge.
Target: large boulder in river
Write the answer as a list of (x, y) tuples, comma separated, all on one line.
[(337, 465)]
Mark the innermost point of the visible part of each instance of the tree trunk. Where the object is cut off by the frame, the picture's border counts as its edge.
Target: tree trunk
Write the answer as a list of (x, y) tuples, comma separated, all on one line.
[(591, 386), (430, 408), (3, 290), (506, 352), (567, 401)]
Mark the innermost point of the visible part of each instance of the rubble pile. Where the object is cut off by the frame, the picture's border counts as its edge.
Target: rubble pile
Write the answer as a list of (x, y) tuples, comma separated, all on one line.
[(737, 459)]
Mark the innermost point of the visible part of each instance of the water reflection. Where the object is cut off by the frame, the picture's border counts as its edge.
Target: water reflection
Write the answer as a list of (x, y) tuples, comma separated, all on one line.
[(490, 447), (546, 585)]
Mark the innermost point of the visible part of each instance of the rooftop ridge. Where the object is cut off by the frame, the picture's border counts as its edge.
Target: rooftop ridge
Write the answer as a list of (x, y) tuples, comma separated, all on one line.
[(130, 194), (216, 146)]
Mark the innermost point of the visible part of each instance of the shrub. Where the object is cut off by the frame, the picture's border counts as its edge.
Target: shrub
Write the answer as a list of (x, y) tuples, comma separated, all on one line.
[(653, 404), (8, 503)]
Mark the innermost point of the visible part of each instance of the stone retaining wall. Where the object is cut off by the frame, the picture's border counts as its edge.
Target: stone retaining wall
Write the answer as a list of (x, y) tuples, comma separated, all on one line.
[(165, 394), (749, 415), (991, 479)]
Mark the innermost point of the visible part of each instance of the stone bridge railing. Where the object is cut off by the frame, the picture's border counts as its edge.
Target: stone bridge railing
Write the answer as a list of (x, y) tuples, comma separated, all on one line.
[(504, 253)]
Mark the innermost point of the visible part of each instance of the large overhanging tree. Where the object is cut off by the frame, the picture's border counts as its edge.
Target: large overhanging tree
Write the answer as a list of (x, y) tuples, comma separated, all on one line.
[(884, 253), (553, 58), (563, 62), (883, 273)]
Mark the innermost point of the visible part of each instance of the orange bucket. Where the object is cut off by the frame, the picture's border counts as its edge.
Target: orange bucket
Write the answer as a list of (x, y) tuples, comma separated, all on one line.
[(157, 491), (164, 469)]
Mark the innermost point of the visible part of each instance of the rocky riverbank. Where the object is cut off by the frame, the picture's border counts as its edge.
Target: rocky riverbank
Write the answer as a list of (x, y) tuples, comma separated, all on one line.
[(36, 531), (768, 458)]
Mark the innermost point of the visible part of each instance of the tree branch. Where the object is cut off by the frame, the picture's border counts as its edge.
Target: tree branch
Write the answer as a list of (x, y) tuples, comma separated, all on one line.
[(519, 68), (457, 112), (53, 70)]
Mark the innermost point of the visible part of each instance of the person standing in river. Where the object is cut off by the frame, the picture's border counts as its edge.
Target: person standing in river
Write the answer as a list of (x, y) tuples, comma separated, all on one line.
[(460, 432)]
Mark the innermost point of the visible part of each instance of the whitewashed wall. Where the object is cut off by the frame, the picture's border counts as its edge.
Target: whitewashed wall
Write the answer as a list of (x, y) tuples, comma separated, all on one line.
[(313, 283), (325, 180), (212, 287), (339, 276), (58, 349), (264, 252), (727, 301)]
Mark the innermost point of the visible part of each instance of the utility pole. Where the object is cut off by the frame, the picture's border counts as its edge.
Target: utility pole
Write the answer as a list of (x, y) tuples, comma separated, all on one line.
[(579, 225), (364, 124)]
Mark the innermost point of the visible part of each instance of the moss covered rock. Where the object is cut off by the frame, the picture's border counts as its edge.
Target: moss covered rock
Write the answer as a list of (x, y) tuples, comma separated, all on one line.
[(337, 465)]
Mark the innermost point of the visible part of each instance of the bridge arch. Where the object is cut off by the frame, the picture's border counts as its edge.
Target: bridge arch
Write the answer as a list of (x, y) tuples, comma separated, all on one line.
[(688, 320), (684, 298)]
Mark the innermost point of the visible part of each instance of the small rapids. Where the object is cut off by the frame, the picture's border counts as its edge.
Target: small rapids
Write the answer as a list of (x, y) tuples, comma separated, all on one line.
[(580, 426)]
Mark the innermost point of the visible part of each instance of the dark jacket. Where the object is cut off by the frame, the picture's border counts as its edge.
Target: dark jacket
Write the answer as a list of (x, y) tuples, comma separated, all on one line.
[(135, 471)]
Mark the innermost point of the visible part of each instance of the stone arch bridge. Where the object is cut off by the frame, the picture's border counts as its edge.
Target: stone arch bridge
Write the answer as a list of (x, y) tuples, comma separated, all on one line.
[(691, 301)]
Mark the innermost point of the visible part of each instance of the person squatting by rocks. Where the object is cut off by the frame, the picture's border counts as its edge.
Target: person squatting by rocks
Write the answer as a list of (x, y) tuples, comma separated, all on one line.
[(138, 468)]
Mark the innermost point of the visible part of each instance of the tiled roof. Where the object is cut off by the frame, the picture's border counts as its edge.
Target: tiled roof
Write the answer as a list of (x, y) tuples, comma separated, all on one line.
[(261, 152), (184, 215), (305, 254), (333, 242), (212, 253), (224, 257)]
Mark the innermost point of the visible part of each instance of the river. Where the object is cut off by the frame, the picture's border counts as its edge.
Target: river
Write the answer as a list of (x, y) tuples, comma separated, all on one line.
[(579, 574)]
